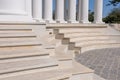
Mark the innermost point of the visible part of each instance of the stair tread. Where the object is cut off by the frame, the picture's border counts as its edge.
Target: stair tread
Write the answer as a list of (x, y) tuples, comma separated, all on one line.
[(81, 69), (78, 31), (100, 43), (18, 43), (36, 75), (69, 25), (62, 56), (17, 35), (17, 39), (87, 35), (95, 41), (77, 34), (16, 32), (84, 30), (12, 65), (24, 27), (100, 46), (23, 53), (89, 39)]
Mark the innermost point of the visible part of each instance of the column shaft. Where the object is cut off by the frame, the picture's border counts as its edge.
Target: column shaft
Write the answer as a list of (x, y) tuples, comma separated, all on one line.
[(59, 11), (79, 10), (84, 11), (98, 11), (65, 10), (72, 10), (37, 10), (48, 13)]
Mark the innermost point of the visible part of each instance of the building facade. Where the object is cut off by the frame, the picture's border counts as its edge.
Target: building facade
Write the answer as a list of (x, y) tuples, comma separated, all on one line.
[(42, 10)]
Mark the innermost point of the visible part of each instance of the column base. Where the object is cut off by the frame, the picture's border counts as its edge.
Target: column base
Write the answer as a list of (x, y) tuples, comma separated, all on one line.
[(50, 21), (39, 20), (99, 22), (85, 22), (73, 21), (61, 21)]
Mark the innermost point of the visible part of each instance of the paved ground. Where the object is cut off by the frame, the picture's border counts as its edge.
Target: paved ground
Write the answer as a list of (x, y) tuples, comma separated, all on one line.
[(105, 62)]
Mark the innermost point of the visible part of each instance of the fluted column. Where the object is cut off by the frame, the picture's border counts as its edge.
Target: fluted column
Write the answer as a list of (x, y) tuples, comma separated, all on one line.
[(48, 14), (98, 10), (71, 11), (84, 11), (79, 10), (59, 15), (37, 10)]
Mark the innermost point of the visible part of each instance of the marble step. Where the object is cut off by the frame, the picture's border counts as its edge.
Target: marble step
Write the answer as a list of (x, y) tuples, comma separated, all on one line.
[(82, 34), (17, 39), (18, 53), (81, 30), (64, 60), (19, 43), (61, 48), (100, 46), (94, 42), (73, 26), (61, 74), (17, 35), (20, 23), (16, 27), (23, 64), (40, 47), (95, 35), (88, 38), (15, 32), (81, 72), (20, 40)]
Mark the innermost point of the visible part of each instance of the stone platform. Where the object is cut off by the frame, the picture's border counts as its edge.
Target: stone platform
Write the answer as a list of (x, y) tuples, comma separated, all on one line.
[(105, 62)]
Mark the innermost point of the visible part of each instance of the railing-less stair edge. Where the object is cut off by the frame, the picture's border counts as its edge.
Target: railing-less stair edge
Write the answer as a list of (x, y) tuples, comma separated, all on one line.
[(79, 38), (47, 52)]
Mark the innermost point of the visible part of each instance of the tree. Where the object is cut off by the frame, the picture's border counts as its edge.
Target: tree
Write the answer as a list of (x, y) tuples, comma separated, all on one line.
[(114, 2), (91, 16), (113, 17)]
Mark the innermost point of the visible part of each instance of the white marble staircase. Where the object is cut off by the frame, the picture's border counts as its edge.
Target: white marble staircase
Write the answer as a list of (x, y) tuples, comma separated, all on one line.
[(23, 57), (85, 38), (78, 38), (30, 51)]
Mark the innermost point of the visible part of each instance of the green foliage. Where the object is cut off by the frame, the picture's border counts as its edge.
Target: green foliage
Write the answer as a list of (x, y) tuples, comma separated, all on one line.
[(113, 17), (91, 16), (114, 2)]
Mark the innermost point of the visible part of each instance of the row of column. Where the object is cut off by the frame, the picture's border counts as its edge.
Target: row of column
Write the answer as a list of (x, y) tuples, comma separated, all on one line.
[(59, 11)]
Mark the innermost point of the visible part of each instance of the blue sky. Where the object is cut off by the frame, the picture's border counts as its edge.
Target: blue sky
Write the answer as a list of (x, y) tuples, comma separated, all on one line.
[(106, 9)]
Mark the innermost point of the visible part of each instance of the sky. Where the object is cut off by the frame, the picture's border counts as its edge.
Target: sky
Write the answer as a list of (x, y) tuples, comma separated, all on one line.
[(106, 9)]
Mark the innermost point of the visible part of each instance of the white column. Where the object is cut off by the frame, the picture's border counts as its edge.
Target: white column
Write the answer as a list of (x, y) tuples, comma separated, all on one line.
[(65, 10), (98, 11), (59, 15), (79, 10), (37, 10), (48, 14), (71, 11), (15, 10), (84, 11), (12, 6)]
